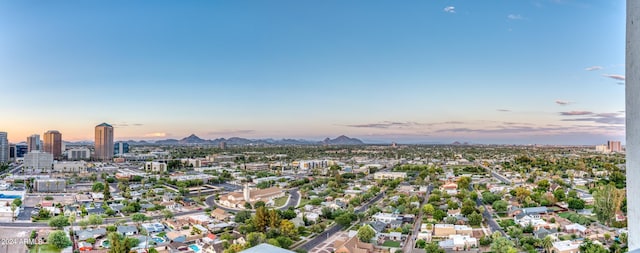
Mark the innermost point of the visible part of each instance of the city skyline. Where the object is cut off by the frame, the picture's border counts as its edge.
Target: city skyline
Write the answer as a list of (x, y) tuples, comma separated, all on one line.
[(525, 72)]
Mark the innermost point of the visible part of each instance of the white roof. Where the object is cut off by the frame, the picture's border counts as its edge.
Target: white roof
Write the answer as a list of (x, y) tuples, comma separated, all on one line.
[(566, 245)]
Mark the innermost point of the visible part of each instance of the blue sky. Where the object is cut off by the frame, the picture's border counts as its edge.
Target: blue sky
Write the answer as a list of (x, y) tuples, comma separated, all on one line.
[(548, 72)]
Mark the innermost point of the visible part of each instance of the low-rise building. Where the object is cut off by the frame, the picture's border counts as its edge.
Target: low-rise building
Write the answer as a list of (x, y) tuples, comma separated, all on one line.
[(50, 185), (381, 175), (566, 247)]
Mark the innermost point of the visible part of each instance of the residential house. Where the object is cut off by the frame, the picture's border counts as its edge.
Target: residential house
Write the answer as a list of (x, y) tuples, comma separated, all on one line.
[(219, 214), (543, 232), (445, 230), (566, 247), (450, 188), (577, 229), (176, 236), (352, 245), (459, 242), (96, 233), (127, 230)]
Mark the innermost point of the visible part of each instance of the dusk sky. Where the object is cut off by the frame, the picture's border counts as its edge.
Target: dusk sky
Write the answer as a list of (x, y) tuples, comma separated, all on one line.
[(521, 72)]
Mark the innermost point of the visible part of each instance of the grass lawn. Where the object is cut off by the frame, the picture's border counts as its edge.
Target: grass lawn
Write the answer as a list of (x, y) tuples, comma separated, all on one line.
[(44, 248), (564, 215), (391, 244), (303, 202), (280, 201)]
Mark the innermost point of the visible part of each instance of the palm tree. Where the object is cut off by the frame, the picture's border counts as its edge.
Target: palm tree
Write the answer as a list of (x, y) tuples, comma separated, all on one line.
[(546, 243), (13, 212)]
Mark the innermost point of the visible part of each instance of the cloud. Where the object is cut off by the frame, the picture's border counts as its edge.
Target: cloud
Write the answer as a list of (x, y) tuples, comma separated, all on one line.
[(616, 77), (576, 113), (450, 9), (386, 124), (562, 102), (156, 135), (124, 124), (612, 118), (593, 68), (515, 16), (503, 110)]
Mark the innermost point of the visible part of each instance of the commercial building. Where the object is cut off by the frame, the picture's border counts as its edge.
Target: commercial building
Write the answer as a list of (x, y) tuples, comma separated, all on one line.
[(18, 150), (33, 143), (120, 148), (238, 199), (389, 175), (155, 166), (79, 154), (103, 142), (53, 143), (4, 147), (614, 146), (37, 160), (50, 185)]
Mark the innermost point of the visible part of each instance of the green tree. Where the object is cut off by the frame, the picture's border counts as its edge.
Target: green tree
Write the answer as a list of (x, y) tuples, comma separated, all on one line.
[(546, 243), (287, 228), (261, 219), (559, 194), (589, 247), (366, 233), (575, 203), (255, 238), (607, 201), (59, 222), (118, 243), (500, 206), (59, 239), (139, 218), (433, 248), (468, 207), (97, 187), (242, 216), (475, 219), (428, 209), (421, 243), (502, 245), (167, 214), (344, 219), (95, 219), (464, 182), (17, 202)]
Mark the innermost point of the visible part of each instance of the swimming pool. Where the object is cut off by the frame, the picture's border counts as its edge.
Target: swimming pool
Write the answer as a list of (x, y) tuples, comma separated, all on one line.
[(194, 247), (105, 244), (158, 239), (2, 196)]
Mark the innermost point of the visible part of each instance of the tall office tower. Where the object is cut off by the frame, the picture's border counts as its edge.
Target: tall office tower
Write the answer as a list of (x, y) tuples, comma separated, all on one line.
[(33, 142), (222, 145), (4, 147), (614, 146), (53, 143), (104, 142), (121, 148)]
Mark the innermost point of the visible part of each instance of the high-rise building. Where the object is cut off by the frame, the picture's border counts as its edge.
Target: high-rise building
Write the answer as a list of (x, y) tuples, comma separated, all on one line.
[(222, 145), (614, 146), (21, 150), (53, 143), (120, 148), (104, 142), (4, 147), (33, 143)]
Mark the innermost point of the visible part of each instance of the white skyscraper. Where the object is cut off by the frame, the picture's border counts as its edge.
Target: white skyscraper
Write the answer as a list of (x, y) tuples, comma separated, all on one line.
[(4, 148)]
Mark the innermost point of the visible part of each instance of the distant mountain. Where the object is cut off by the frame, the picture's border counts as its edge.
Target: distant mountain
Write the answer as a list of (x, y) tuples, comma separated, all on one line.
[(342, 140), (193, 139), (237, 141)]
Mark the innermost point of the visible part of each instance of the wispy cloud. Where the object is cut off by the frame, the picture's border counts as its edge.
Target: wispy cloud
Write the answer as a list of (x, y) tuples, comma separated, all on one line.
[(124, 124), (450, 9), (562, 102), (612, 118), (515, 16), (503, 110), (593, 68), (576, 113), (155, 135), (386, 124), (613, 76)]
